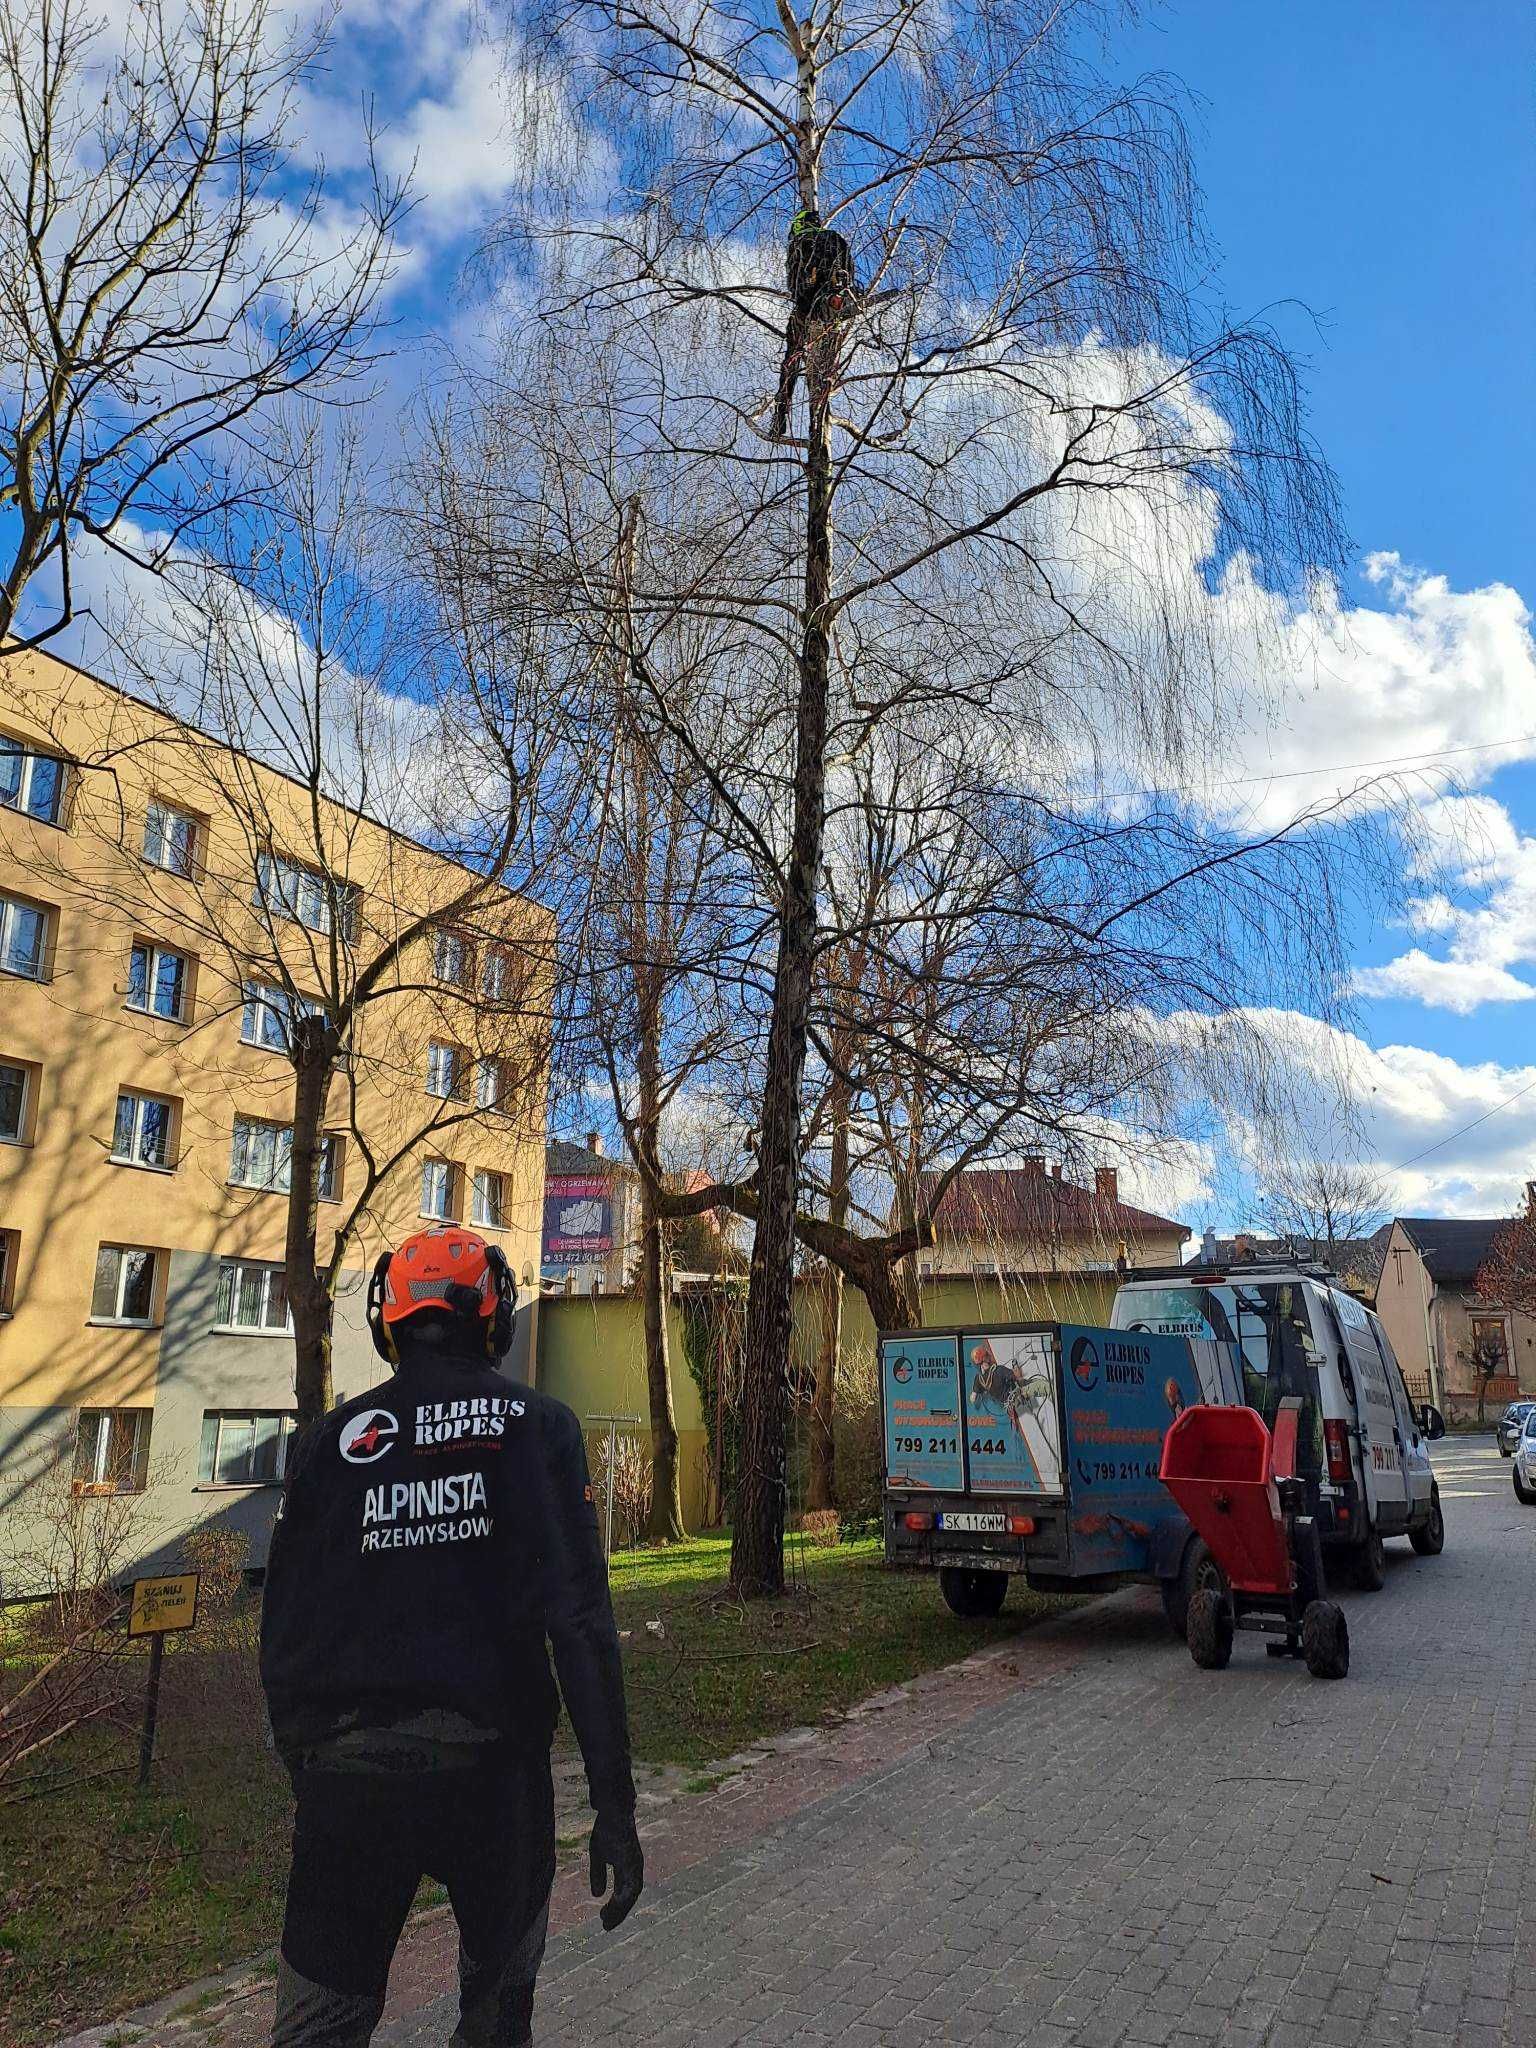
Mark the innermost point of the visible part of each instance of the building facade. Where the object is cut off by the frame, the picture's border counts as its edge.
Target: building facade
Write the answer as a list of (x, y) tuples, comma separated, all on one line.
[(1440, 1326), (164, 911), (1028, 1225)]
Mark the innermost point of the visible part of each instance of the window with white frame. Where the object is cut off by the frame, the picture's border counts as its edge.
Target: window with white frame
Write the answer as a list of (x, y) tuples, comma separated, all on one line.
[(486, 1199), (267, 1011), (261, 1154), (23, 938), (170, 839), (15, 1102), (438, 1189), (286, 888), (490, 1083), (141, 1132), (242, 1447), (450, 957), (252, 1296), (332, 1154), (157, 980), (31, 782), (445, 1070), (112, 1450), (125, 1285), (495, 976)]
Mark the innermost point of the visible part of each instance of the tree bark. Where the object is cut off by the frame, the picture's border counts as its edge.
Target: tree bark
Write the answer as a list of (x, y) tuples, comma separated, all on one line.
[(757, 1539), (314, 1053), (821, 1480)]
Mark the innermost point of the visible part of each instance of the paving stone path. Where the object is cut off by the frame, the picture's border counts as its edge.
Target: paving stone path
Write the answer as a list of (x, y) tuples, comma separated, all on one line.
[(1082, 1839)]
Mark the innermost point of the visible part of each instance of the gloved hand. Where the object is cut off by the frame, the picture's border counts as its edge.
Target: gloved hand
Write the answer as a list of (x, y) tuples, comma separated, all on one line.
[(616, 1848)]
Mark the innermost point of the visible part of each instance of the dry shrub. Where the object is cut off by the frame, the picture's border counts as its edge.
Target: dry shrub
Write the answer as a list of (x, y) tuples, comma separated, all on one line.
[(219, 1557), (820, 1526), (631, 1479)]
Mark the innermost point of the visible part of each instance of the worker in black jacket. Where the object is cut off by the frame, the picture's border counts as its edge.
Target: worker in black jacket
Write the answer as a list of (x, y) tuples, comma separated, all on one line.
[(434, 1534), (823, 296)]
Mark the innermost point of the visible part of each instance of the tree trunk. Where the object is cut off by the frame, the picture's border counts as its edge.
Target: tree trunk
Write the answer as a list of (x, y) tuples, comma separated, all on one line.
[(821, 1480), (757, 1539), (665, 1524), (309, 1298)]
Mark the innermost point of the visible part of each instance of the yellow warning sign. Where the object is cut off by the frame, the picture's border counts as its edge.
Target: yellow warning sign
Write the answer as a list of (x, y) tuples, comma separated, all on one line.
[(161, 1605)]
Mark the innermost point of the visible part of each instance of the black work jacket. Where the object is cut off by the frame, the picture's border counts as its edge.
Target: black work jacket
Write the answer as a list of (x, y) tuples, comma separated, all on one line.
[(434, 1535)]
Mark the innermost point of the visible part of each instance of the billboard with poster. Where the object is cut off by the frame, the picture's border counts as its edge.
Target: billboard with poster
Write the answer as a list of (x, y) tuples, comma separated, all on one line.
[(578, 1219)]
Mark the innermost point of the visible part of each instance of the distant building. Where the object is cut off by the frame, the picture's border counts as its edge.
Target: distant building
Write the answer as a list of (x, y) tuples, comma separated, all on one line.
[(1427, 1300), (591, 1218), (1029, 1221), (1356, 1260)]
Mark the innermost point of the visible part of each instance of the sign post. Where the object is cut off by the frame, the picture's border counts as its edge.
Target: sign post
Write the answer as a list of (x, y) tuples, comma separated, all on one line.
[(159, 1607)]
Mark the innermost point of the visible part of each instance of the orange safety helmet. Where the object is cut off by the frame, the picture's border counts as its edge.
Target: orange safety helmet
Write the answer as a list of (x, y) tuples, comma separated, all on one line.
[(448, 1269)]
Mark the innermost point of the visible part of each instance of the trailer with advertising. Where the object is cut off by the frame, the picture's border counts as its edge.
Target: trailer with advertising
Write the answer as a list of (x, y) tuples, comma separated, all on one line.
[(1033, 1449)]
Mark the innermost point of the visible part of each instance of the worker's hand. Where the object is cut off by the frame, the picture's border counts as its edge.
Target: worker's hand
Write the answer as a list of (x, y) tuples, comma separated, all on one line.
[(616, 1848)]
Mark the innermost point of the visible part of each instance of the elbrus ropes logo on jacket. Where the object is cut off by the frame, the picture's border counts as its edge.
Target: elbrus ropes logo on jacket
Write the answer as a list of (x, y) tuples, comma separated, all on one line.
[(480, 1419)]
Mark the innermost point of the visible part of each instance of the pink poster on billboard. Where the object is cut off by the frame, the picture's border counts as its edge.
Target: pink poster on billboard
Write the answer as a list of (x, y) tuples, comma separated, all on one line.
[(578, 1219)]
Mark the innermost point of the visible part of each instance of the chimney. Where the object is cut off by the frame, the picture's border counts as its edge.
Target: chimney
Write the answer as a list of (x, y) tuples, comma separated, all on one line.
[(1242, 1246), (595, 1142), (1208, 1246), (1034, 1164), (1106, 1183)]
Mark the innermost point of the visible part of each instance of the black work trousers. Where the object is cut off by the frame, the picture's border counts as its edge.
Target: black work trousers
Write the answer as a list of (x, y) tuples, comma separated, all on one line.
[(362, 1841)]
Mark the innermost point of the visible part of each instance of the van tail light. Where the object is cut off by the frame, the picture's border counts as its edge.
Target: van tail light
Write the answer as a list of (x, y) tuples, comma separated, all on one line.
[(1336, 1438), (917, 1522), (1021, 1525)]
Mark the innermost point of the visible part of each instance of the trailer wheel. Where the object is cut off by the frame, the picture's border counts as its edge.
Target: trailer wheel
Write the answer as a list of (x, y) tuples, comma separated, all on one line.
[(1210, 1629), (1197, 1569), (1325, 1639), (1370, 1564), (1429, 1540), (973, 1595)]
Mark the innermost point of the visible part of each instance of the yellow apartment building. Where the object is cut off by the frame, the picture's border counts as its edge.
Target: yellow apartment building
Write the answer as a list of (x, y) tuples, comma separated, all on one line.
[(166, 902)]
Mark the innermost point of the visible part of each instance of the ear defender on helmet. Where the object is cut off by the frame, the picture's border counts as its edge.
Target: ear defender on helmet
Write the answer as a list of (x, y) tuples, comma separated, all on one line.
[(448, 1269)]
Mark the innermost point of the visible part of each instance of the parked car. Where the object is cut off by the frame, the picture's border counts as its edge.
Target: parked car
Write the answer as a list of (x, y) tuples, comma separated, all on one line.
[(1511, 1422), (1524, 1474)]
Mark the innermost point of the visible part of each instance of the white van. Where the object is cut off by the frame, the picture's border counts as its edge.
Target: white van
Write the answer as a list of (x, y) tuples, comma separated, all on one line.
[(1362, 1447)]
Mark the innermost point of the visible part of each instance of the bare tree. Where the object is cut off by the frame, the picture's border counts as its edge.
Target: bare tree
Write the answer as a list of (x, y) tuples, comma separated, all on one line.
[(168, 272), (1018, 356), (349, 949), (1323, 1206)]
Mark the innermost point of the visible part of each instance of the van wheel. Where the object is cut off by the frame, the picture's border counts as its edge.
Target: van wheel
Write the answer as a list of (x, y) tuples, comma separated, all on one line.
[(1197, 1570), (1325, 1639), (1523, 1493), (1210, 1629), (1370, 1564), (1429, 1539), (973, 1595)]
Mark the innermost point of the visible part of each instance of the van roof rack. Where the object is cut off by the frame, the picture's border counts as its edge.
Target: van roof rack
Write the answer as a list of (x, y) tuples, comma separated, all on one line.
[(1201, 1269)]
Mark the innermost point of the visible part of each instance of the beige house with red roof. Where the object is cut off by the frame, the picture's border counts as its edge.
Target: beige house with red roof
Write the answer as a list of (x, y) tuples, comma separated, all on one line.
[(1029, 1222)]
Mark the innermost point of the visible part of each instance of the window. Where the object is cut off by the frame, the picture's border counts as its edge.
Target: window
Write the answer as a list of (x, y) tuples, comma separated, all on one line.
[(490, 1083), (15, 1101), (243, 1449), (125, 1285), (33, 783), (8, 1250), (286, 888), (23, 938), (170, 839), (332, 1154), (252, 1297), (445, 1071), (268, 1010), (1490, 1345), (485, 1201), (157, 980), (261, 1154), (438, 1191), (495, 976), (111, 1450), (450, 957), (141, 1135)]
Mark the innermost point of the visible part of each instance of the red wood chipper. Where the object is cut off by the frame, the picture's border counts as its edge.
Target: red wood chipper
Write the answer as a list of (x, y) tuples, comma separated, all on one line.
[(1237, 1483)]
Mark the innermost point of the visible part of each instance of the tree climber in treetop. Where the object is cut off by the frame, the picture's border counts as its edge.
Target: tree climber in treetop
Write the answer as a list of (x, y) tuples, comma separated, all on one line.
[(823, 294)]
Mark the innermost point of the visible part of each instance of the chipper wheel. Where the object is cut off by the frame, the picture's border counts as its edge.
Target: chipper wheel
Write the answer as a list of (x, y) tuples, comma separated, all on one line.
[(1209, 1629), (1325, 1639)]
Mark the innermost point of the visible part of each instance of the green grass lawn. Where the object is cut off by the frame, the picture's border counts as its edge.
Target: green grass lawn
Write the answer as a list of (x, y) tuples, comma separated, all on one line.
[(110, 1897)]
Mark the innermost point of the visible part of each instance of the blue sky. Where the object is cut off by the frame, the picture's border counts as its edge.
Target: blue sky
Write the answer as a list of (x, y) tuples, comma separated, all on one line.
[(1377, 163)]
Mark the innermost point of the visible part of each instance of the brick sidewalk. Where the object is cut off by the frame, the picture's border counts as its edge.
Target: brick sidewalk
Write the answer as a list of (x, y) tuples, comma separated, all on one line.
[(1101, 1845)]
